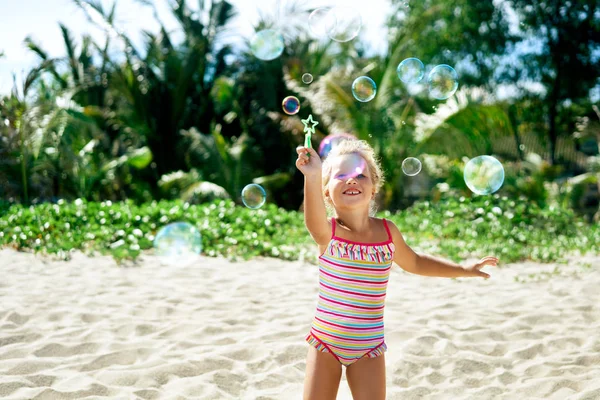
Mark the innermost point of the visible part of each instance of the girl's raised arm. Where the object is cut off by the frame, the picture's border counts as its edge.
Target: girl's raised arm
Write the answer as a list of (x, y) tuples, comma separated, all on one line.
[(315, 214)]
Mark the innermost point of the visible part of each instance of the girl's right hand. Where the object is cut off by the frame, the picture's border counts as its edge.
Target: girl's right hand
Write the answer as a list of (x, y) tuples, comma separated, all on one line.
[(309, 166)]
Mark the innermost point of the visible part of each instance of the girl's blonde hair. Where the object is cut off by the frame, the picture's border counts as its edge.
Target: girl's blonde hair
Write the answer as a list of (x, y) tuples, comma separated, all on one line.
[(363, 149)]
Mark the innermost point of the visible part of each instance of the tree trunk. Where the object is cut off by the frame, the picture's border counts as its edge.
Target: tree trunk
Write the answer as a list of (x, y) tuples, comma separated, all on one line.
[(552, 114)]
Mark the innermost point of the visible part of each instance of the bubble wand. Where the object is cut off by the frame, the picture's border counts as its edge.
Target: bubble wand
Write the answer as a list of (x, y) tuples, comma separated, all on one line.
[(309, 131)]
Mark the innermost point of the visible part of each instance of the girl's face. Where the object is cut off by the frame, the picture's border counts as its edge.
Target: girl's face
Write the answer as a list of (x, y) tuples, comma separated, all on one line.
[(350, 185)]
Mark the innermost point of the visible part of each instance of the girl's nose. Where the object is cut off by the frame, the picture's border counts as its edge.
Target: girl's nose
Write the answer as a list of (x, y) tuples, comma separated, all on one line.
[(351, 180)]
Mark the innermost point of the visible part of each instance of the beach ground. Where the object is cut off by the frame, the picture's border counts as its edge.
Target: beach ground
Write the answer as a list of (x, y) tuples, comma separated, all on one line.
[(87, 328)]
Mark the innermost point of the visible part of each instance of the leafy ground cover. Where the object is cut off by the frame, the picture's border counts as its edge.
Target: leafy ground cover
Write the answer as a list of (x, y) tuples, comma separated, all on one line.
[(455, 228)]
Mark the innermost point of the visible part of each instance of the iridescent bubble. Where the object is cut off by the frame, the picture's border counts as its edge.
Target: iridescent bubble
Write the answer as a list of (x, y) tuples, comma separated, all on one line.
[(332, 141), (484, 175), (254, 196), (364, 89), (411, 166), (320, 21), (178, 244), (307, 78), (267, 44), (443, 82), (291, 105), (343, 23), (411, 70), (350, 166)]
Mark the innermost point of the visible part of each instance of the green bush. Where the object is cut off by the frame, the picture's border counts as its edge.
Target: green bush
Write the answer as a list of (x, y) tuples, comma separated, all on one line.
[(453, 227)]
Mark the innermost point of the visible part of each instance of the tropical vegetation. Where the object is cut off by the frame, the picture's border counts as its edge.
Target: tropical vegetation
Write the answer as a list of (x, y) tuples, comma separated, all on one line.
[(188, 118)]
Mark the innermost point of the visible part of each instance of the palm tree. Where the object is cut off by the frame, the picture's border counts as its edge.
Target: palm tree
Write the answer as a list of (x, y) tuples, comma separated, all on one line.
[(398, 122), (166, 88), (22, 131), (91, 147)]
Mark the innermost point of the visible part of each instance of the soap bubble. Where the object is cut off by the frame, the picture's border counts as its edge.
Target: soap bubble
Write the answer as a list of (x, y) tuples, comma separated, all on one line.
[(254, 196), (332, 141), (291, 105), (320, 21), (267, 44), (411, 166), (443, 82), (364, 89), (178, 244), (484, 175), (343, 23), (411, 70), (307, 78), (351, 166)]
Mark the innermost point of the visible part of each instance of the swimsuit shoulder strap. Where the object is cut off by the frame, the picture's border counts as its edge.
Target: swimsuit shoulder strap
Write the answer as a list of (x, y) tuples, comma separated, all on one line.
[(387, 228)]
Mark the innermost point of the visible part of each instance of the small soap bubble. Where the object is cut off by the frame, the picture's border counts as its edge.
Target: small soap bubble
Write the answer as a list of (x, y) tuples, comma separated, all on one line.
[(178, 244), (254, 196), (443, 82), (411, 166), (307, 78), (267, 44), (290, 105), (484, 175), (364, 89), (411, 70)]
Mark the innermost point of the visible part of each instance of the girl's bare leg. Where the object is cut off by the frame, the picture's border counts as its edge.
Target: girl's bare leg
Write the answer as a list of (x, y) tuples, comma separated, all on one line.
[(323, 375)]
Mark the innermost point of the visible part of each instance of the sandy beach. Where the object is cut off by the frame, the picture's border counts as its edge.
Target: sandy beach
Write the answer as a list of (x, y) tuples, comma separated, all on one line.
[(88, 328)]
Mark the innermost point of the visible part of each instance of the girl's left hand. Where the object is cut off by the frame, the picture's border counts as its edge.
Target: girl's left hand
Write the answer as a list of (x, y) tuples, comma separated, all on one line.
[(474, 270)]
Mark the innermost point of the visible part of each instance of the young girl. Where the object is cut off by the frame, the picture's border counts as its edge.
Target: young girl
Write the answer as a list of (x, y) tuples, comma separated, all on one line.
[(357, 252)]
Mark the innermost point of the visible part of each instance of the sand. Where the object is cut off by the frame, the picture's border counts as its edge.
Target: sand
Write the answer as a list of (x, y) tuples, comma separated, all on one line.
[(89, 329)]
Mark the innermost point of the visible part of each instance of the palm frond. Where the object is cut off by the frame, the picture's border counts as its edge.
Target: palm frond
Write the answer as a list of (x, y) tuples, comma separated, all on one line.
[(468, 124), (70, 46)]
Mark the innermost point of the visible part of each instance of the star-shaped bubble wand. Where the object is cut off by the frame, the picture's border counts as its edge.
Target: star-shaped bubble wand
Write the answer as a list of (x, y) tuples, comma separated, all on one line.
[(309, 130)]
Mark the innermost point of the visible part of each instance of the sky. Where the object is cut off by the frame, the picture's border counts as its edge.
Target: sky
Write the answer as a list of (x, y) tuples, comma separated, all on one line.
[(40, 18)]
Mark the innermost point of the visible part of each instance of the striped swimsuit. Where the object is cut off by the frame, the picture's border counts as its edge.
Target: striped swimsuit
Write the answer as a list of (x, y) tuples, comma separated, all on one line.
[(353, 280)]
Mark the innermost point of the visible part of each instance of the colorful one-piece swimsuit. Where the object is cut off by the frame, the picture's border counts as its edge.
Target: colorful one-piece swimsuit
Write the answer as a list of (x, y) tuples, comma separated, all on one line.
[(353, 280)]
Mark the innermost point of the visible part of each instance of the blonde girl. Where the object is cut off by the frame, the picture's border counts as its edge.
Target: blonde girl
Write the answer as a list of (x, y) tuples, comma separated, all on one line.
[(356, 254)]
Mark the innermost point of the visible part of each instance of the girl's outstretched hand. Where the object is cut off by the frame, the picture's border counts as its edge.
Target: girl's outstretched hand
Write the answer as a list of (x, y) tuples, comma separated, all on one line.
[(309, 166), (474, 270)]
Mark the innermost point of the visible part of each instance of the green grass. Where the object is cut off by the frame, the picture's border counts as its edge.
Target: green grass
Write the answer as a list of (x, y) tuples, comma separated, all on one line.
[(454, 228)]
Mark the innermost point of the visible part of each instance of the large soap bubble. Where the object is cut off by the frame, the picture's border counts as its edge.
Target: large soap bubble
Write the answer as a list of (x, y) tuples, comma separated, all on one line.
[(340, 23), (411, 70), (443, 82), (484, 175), (364, 89), (332, 141), (351, 166), (267, 44), (254, 196), (178, 244), (344, 23)]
